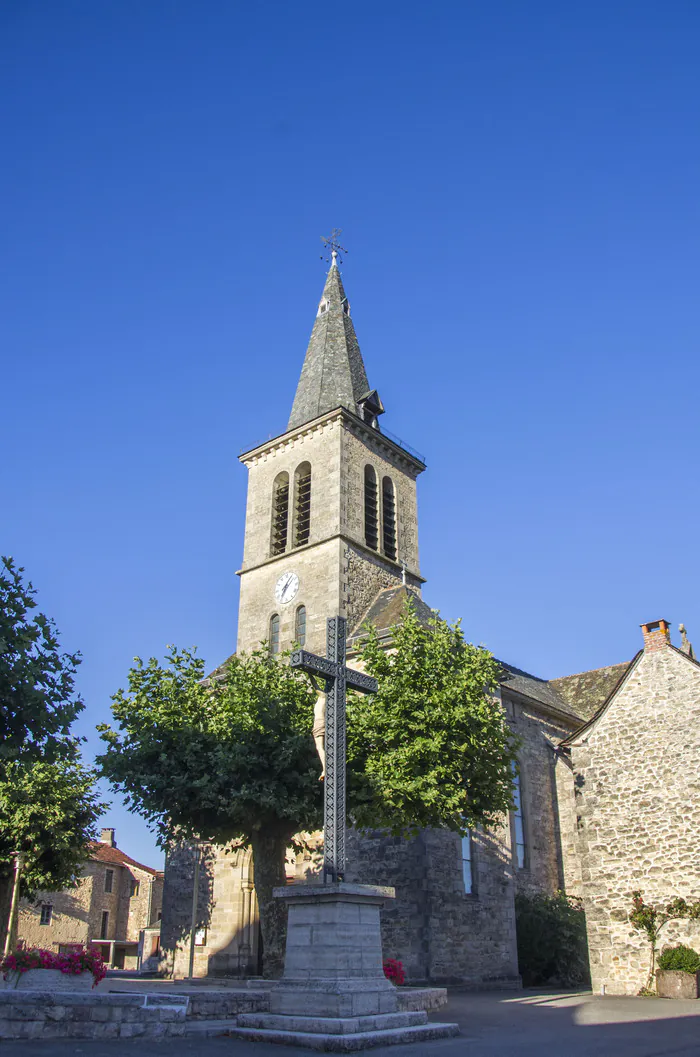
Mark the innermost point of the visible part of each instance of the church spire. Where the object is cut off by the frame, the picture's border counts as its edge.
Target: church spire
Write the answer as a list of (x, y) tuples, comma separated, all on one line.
[(333, 374)]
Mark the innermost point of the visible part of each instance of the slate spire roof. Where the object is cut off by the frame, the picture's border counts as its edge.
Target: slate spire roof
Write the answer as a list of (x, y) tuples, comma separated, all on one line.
[(333, 374)]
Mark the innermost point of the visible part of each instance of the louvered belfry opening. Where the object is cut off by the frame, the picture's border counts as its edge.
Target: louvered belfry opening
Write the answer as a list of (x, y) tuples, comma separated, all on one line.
[(302, 504), (371, 514), (280, 513), (389, 517)]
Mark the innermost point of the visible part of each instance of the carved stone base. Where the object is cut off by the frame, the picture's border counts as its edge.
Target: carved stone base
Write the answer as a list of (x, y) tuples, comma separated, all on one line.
[(334, 994)]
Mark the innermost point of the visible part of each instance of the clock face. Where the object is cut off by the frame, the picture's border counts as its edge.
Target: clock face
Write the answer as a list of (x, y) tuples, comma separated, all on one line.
[(286, 587)]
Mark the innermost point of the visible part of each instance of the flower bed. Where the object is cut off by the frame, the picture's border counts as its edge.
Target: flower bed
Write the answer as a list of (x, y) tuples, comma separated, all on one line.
[(393, 970), (34, 968)]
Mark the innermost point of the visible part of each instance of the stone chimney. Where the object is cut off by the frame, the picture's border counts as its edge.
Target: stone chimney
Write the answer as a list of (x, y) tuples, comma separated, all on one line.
[(657, 634), (107, 837)]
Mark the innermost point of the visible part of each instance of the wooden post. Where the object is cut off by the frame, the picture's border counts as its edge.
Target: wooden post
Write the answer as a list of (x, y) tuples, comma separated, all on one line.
[(14, 906)]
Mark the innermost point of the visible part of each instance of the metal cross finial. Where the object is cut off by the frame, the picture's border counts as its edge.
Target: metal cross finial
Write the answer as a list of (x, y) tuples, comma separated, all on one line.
[(337, 678), (332, 246)]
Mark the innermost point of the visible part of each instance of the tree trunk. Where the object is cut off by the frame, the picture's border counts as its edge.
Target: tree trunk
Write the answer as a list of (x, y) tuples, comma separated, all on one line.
[(269, 850)]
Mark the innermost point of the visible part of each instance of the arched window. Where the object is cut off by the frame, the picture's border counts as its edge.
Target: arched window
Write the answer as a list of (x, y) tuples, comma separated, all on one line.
[(275, 633), (519, 842), (371, 519), (468, 863), (300, 626), (280, 513), (389, 518), (302, 504)]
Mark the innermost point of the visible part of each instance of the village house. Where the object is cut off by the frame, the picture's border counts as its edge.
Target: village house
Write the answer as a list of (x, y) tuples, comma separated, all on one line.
[(116, 907)]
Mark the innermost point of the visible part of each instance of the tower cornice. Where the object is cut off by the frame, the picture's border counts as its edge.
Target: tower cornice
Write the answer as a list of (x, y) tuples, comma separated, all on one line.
[(380, 442)]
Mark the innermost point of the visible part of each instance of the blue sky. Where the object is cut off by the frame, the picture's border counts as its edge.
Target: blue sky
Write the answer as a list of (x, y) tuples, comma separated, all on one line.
[(517, 184)]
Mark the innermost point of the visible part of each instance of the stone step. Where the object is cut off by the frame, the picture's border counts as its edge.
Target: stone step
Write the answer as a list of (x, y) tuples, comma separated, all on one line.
[(332, 1025), (362, 1040)]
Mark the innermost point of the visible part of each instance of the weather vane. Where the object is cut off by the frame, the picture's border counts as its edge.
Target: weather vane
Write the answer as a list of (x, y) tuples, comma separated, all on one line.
[(332, 247)]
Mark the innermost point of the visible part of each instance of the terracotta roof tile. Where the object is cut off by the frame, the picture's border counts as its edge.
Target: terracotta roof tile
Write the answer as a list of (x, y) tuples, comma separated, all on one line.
[(105, 853)]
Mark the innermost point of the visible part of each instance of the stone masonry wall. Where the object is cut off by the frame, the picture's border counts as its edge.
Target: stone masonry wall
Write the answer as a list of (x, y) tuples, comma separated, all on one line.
[(320, 446), (636, 773), (360, 449), (539, 733), (440, 933)]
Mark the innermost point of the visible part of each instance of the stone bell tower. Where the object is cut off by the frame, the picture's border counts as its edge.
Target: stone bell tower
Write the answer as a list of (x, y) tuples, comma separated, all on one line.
[(331, 515)]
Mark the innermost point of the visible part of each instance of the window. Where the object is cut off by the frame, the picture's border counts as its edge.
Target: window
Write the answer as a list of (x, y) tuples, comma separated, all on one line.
[(468, 863), (371, 519), (104, 925), (302, 504), (389, 518), (300, 626), (109, 880), (134, 887), (46, 913), (518, 821), (280, 513), (275, 633)]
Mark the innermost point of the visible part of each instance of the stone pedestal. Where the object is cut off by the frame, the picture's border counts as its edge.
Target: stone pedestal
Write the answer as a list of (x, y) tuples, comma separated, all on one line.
[(333, 994)]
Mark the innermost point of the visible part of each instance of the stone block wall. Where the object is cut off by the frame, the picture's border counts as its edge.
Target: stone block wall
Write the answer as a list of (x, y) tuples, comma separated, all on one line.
[(440, 933), (638, 812), (539, 732)]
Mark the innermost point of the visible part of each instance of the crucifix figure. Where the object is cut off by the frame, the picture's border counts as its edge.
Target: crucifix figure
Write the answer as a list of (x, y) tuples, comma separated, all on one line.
[(338, 678)]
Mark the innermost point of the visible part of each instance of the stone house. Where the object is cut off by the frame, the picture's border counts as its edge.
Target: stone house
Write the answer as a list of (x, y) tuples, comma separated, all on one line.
[(332, 529), (634, 772), (115, 906)]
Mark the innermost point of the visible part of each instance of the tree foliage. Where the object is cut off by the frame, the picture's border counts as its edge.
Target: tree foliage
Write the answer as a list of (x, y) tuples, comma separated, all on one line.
[(222, 759), (231, 757), (552, 940), (38, 702), (432, 746), (216, 759), (48, 811)]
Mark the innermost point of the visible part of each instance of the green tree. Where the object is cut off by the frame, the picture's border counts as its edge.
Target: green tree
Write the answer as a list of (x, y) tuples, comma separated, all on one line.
[(432, 747), (48, 812), (228, 758), (231, 757), (38, 702)]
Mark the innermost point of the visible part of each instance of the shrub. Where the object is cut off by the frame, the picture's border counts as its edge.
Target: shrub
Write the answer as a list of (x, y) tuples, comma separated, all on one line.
[(681, 957), (393, 971), (76, 961), (552, 943)]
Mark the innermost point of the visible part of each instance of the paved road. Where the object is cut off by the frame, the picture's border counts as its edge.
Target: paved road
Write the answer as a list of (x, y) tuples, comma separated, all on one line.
[(496, 1024)]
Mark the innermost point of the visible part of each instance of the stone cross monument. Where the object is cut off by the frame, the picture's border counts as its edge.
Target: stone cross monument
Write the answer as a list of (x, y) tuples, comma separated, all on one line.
[(338, 678), (334, 994)]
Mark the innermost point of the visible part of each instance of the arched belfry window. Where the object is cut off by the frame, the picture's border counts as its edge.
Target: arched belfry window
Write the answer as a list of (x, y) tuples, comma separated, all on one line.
[(389, 518), (280, 513), (274, 633), (302, 504), (300, 626), (371, 515)]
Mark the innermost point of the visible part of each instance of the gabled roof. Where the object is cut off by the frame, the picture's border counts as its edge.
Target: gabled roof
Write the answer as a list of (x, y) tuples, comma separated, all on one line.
[(333, 374), (387, 609), (114, 857), (517, 681), (605, 704), (585, 692)]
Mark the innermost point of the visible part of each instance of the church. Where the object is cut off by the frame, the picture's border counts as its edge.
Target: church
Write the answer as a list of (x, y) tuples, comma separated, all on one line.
[(605, 796)]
